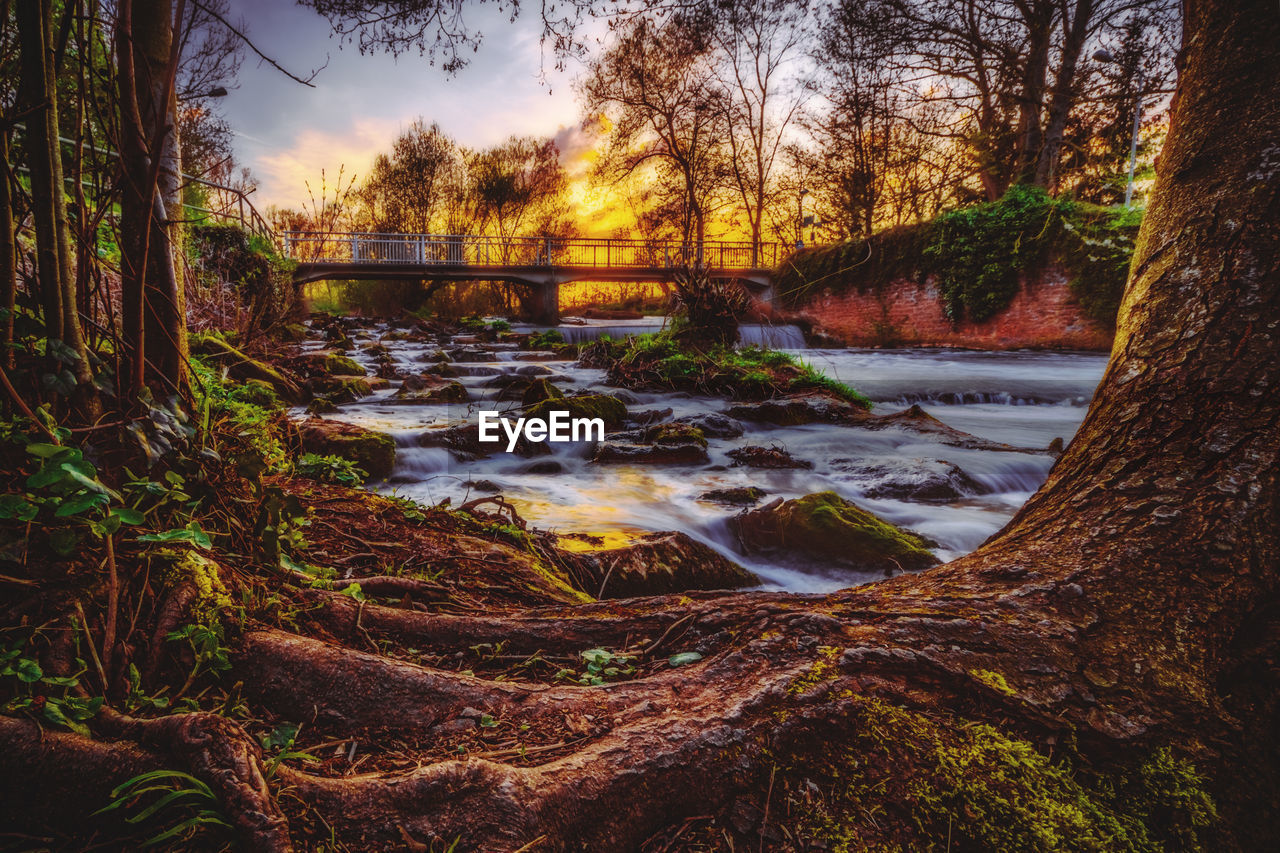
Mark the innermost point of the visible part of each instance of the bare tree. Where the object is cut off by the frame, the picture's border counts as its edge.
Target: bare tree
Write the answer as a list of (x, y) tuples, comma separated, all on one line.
[(760, 42), (656, 84), (406, 190)]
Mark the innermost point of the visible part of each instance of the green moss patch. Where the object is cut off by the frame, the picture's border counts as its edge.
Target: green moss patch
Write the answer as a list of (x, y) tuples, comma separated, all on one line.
[(978, 255), (975, 787), (663, 362), (825, 528)]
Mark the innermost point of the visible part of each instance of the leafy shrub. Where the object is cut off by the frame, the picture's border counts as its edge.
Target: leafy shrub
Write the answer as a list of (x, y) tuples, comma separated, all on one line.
[(545, 340), (979, 252), (331, 469)]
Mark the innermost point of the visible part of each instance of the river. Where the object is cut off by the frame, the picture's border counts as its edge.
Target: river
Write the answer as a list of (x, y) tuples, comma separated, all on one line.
[(1022, 398)]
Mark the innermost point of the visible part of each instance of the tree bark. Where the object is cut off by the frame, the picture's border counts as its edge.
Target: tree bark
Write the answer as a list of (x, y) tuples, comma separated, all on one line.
[(48, 199), (153, 301), (8, 253), (1038, 17), (34, 21)]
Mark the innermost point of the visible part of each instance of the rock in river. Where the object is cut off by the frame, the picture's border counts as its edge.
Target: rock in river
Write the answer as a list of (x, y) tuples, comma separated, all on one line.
[(658, 563), (926, 480), (824, 528), (372, 451)]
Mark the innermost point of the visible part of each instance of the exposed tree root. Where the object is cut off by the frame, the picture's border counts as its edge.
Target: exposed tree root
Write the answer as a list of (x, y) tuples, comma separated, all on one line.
[(619, 624), (66, 776)]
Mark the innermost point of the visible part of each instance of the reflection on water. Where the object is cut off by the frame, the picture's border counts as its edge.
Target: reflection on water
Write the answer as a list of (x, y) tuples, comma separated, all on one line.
[(1021, 398)]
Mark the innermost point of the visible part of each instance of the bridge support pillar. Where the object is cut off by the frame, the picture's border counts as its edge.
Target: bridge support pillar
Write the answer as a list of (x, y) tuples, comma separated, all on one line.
[(544, 305)]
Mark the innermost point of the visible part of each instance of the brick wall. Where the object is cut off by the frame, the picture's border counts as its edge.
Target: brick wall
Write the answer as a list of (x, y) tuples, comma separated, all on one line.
[(1043, 313)]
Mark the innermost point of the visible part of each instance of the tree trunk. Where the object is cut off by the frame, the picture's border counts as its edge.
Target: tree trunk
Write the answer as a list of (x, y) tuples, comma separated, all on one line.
[(153, 301), (1038, 19), (1064, 686), (8, 253), (33, 31), (1064, 95), (48, 198)]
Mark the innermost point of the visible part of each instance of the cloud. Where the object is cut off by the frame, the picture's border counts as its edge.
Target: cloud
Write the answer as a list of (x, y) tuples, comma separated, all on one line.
[(352, 149)]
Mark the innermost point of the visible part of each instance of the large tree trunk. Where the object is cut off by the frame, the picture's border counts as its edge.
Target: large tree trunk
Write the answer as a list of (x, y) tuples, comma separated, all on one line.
[(53, 246), (1051, 690), (153, 300)]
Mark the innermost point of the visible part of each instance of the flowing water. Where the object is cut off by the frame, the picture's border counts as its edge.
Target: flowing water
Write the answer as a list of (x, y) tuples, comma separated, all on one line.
[(1025, 399)]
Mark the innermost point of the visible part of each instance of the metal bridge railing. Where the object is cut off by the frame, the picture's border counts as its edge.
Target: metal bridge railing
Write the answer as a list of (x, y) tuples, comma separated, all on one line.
[(473, 250)]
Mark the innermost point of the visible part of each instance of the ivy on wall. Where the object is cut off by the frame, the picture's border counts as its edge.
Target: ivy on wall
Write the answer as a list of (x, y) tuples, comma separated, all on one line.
[(979, 254)]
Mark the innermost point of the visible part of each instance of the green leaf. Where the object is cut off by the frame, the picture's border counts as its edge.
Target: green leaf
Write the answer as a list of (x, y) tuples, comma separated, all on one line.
[(45, 451), (683, 658), (354, 591), (17, 507), (28, 671), (195, 537), (127, 515), (77, 505)]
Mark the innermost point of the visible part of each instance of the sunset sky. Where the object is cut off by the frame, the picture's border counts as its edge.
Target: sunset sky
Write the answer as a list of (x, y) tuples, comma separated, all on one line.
[(286, 133)]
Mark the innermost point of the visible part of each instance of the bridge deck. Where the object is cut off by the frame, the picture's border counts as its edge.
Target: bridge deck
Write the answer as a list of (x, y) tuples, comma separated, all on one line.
[(544, 262), (460, 253)]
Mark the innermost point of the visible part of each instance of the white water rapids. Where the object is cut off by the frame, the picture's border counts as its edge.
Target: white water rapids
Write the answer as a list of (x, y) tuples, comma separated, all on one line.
[(1024, 399)]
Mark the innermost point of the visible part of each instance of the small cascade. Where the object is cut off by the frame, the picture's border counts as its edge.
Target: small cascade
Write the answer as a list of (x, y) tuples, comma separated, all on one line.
[(586, 334), (771, 337)]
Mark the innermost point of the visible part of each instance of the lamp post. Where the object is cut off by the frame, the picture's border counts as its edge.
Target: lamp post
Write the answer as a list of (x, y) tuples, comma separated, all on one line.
[(1106, 56), (800, 219)]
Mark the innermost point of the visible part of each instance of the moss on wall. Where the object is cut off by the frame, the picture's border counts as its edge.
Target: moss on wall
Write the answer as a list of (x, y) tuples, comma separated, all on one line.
[(979, 254)]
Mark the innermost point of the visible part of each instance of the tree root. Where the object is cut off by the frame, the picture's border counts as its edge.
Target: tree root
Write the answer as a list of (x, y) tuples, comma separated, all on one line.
[(65, 776), (619, 624), (220, 752)]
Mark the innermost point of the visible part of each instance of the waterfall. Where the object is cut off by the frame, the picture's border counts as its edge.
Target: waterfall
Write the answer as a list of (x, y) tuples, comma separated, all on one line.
[(771, 337), (586, 334)]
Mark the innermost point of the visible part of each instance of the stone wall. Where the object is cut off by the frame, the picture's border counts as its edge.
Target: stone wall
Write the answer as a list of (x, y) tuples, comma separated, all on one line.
[(1044, 313)]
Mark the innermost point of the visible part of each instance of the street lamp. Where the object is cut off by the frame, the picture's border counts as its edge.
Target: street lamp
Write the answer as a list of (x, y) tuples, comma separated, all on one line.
[(800, 220), (1106, 56)]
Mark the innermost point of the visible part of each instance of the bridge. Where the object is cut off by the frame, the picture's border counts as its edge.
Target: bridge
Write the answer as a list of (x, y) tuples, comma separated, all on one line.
[(542, 263)]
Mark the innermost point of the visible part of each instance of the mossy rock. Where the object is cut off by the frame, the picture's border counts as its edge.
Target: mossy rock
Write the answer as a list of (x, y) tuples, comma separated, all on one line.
[(825, 528), (341, 365), (801, 409), (429, 389), (340, 389), (674, 433), (242, 367), (609, 409), (754, 456), (538, 391), (734, 496), (658, 564), (326, 363), (374, 452), (652, 454), (321, 406)]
